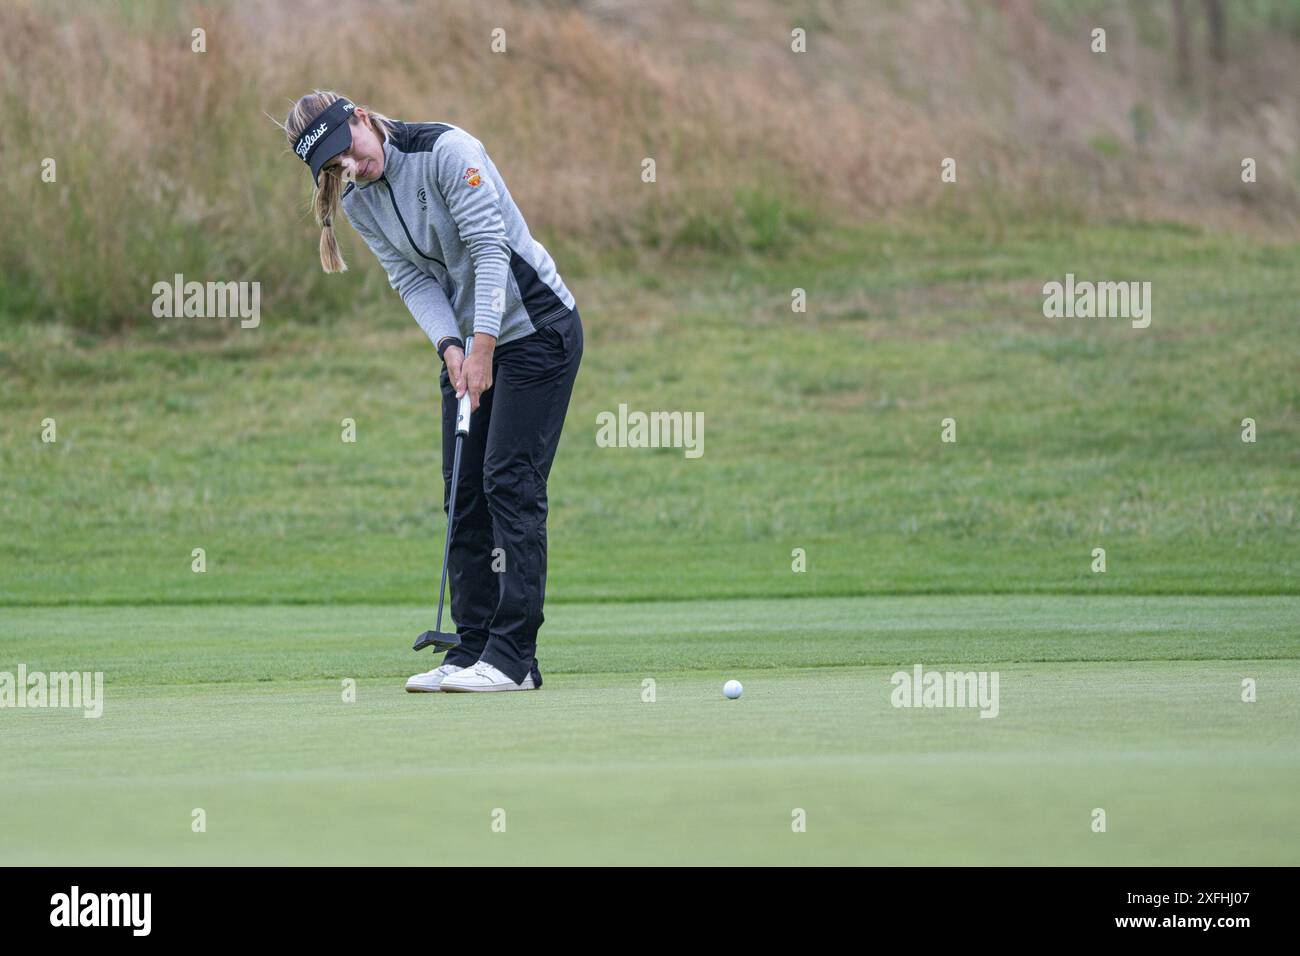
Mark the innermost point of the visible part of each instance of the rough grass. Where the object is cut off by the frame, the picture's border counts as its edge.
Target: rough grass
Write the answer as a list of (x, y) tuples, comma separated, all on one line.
[(168, 161), (822, 432)]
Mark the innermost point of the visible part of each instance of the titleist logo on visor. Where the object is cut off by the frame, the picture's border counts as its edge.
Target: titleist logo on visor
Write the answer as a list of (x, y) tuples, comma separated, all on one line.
[(310, 138), (305, 143)]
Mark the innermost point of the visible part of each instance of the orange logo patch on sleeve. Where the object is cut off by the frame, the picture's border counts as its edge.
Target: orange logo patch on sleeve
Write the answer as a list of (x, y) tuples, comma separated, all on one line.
[(472, 177)]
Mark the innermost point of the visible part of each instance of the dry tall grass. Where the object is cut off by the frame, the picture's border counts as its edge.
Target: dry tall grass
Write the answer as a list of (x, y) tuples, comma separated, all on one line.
[(167, 162)]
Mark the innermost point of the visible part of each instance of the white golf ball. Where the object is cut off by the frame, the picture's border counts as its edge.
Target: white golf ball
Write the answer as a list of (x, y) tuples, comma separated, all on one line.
[(732, 689)]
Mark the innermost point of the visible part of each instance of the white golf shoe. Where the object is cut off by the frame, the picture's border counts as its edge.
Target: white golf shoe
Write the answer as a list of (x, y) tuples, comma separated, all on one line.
[(482, 677), (430, 682)]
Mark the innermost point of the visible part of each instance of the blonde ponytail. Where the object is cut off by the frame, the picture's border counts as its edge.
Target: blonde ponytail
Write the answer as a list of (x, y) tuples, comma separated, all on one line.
[(327, 199), (329, 193)]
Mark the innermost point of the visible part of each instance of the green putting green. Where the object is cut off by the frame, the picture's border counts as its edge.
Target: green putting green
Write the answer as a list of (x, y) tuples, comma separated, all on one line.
[(1131, 705)]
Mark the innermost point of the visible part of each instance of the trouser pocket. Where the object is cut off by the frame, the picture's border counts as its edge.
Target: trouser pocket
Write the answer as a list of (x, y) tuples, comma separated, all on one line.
[(564, 334)]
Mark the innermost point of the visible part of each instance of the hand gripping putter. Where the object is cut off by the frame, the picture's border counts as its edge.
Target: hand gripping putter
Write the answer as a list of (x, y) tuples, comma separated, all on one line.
[(440, 641)]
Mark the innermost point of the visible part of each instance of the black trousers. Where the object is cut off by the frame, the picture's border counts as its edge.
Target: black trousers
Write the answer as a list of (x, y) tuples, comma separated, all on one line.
[(497, 565)]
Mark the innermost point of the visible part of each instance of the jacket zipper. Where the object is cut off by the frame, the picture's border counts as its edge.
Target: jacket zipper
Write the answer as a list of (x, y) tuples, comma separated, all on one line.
[(393, 199)]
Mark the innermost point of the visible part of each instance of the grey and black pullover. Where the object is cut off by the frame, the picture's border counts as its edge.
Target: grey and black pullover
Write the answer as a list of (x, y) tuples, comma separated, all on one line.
[(455, 246)]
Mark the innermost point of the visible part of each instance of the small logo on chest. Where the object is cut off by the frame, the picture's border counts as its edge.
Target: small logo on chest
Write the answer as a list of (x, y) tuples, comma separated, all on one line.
[(423, 197)]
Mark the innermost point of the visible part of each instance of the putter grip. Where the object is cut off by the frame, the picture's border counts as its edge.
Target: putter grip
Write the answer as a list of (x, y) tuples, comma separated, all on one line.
[(462, 406)]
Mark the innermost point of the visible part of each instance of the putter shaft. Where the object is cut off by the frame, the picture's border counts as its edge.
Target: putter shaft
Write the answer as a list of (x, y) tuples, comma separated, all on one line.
[(440, 641), (451, 517)]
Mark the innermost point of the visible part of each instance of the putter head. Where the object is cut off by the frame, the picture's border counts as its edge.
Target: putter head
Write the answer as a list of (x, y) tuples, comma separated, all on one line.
[(440, 641)]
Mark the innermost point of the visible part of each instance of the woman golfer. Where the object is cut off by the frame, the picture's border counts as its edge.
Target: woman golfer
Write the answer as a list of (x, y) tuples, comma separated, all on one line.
[(431, 205)]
